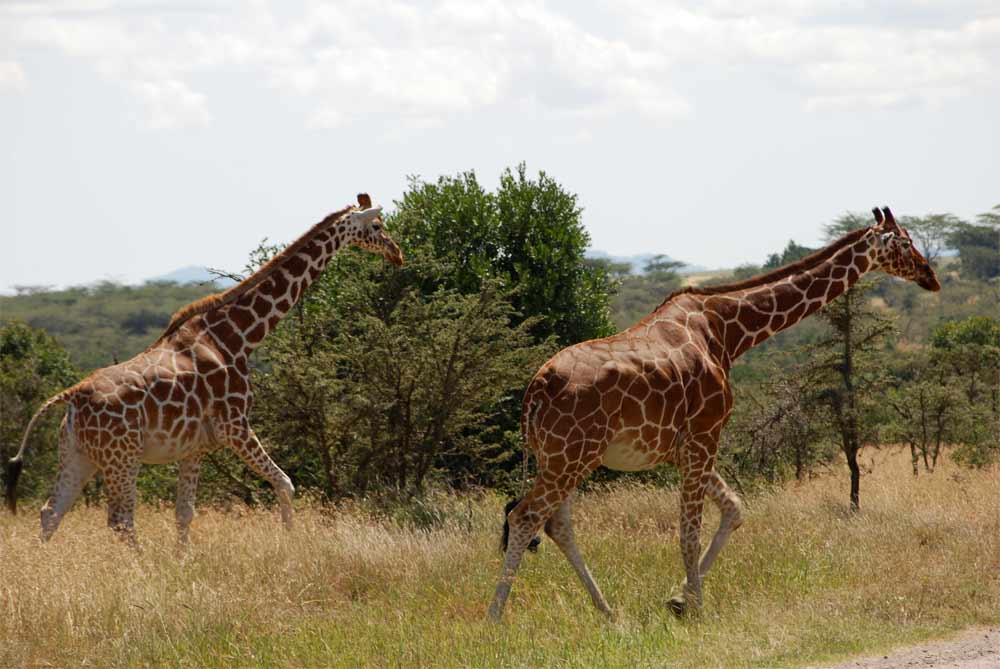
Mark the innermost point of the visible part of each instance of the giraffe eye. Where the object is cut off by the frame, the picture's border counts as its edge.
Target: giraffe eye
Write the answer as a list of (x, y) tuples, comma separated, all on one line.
[(376, 227)]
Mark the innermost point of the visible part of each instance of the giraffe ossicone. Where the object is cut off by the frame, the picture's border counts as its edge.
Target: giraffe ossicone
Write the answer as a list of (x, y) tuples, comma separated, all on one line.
[(189, 392), (659, 392)]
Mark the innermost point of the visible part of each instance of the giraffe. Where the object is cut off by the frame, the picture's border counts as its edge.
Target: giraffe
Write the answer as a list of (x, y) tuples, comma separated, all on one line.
[(189, 392), (659, 392)]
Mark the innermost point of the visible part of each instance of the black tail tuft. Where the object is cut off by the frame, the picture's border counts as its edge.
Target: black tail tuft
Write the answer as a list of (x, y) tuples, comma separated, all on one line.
[(14, 466), (535, 541)]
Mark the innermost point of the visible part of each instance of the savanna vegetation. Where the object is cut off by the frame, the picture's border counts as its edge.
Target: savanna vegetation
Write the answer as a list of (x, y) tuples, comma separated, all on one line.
[(804, 581), (391, 396)]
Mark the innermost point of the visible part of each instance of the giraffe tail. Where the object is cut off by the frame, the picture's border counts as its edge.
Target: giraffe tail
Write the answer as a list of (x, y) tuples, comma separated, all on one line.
[(535, 541), (14, 466)]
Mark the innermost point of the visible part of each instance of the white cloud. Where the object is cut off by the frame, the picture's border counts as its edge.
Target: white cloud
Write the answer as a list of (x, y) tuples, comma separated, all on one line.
[(171, 104), (359, 58), (12, 77), (839, 55)]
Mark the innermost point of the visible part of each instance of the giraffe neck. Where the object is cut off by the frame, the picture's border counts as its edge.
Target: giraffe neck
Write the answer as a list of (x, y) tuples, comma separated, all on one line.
[(748, 317), (240, 326)]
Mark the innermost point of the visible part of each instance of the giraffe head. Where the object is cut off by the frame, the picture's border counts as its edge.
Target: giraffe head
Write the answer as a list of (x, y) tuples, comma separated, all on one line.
[(367, 230), (895, 253)]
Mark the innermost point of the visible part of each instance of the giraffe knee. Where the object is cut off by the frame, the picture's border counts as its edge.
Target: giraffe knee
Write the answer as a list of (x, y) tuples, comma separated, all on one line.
[(284, 485), (524, 525), (735, 512), (49, 521), (184, 513)]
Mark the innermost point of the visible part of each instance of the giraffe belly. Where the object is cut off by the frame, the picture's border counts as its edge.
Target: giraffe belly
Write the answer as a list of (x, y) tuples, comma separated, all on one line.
[(161, 448), (628, 456)]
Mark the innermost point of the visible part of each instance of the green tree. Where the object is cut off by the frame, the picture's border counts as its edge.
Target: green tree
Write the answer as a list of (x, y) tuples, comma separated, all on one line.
[(930, 233), (928, 409), (847, 370), (639, 294), (969, 351), (791, 253), (527, 235), (775, 429), (847, 366), (33, 367), (375, 385), (979, 245)]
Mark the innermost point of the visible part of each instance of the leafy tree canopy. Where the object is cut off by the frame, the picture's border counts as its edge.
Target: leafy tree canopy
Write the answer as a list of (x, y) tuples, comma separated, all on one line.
[(528, 235)]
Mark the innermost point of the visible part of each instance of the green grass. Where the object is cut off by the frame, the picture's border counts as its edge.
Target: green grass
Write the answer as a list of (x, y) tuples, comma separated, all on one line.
[(801, 582)]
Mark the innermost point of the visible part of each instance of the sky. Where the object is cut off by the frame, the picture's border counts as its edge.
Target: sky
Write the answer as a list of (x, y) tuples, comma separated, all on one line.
[(139, 137)]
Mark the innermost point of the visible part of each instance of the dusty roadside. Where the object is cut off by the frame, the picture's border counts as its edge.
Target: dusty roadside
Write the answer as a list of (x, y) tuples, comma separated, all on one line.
[(973, 649)]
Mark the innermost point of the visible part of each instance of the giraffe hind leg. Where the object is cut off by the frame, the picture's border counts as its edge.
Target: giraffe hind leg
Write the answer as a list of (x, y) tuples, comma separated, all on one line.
[(187, 487), (525, 520), (560, 528), (75, 469), (121, 486)]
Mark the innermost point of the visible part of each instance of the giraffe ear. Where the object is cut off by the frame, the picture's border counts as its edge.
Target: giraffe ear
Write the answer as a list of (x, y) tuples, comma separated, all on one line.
[(878, 215), (364, 200)]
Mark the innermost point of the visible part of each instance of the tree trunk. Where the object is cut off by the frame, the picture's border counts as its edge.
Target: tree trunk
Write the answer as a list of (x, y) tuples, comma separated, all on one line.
[(852, 464)]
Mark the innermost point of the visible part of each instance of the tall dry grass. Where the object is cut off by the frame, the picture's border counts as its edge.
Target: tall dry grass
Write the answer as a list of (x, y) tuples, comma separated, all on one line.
[(803, 581)]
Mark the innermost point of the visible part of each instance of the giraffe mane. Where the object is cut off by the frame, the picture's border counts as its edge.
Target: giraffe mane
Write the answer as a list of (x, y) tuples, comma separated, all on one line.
[(216, 300), (811, 260)]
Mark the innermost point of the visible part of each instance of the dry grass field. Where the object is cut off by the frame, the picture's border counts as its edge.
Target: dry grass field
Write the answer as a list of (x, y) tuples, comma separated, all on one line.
[(802, 582)]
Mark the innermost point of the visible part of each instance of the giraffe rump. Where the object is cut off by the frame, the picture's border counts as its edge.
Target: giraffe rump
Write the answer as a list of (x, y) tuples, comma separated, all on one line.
[(216, 300), (535, 541)]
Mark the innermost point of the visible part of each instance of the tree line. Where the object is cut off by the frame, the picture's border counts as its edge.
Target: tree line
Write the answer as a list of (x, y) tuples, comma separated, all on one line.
[(385, 382)]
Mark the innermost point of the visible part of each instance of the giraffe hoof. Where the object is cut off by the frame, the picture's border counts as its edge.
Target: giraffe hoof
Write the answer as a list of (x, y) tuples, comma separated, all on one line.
[(678, 605)]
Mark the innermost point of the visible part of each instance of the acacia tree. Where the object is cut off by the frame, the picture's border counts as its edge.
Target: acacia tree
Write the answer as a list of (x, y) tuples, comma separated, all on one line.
[(847, 366), (775, 428), (848, 370), (927, 406), (790, 254), (930, 233), (978, 245), (969, 352), (375, 385)]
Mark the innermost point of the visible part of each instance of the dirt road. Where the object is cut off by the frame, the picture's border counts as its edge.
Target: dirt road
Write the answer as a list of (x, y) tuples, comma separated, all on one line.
[(972, 649)]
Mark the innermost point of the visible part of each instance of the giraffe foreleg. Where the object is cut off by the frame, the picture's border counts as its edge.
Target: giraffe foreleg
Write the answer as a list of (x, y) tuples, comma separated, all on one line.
[(187, 487), (75, 469), (692, 507), (241, 438), (731, 510), (560, 528)]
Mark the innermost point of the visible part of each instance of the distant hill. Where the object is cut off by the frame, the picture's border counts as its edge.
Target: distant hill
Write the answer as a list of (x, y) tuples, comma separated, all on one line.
[(192, 274), (640, 260)]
